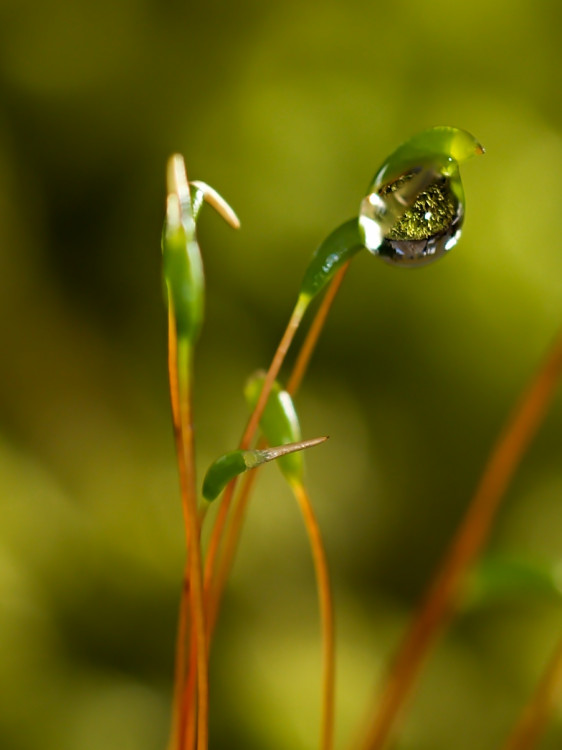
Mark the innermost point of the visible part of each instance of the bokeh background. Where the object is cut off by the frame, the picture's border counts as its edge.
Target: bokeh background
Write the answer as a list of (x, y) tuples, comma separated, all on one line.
[(286, 107)]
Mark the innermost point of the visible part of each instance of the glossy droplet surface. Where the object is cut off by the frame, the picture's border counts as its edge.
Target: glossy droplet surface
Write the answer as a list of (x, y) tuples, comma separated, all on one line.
[(415, 231), (414, 209)]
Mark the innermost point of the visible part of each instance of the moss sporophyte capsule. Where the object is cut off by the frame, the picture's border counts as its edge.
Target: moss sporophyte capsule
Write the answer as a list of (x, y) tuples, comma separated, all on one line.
[(414, 209)]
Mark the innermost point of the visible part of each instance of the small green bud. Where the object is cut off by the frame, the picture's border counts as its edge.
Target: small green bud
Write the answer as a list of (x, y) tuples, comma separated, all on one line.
[(181, 257), (279, 423), (182, 263)]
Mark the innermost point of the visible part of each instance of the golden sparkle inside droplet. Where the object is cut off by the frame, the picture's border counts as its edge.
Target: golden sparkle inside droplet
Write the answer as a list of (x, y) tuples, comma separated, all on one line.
[(432, 212)]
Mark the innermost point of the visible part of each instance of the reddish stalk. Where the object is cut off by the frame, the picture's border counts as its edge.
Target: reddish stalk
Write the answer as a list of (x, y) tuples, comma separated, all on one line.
[(326, 614), (273, 372), (179, 670), (319, 556), (316, 327), (180, 663), (179, 370), (188, 731), (324, 591), (226, 559), (534, 719), (251, 428), (438, 604)]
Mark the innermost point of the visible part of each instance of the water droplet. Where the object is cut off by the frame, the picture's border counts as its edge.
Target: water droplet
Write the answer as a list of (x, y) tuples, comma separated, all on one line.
[(415, 218), (414, 208)]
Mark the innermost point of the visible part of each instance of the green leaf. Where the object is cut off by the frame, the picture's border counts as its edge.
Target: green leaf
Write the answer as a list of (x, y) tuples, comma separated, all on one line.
[(500, 578), (279, 423), (221, 472), (181, 258), (183, 274), (412, 213), (236, 462), (338, 248), (182, 262), (443, 146)]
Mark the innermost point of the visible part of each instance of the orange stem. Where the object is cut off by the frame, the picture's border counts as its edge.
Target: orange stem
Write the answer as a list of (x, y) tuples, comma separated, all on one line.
[(224, 563), (437, 607), (180, 663), (189, 700), (533, 721), (179, 675), (309, 344), (299, 370), (324, 590), (179, 370), (211, 601), (273, 372), (326, 615)]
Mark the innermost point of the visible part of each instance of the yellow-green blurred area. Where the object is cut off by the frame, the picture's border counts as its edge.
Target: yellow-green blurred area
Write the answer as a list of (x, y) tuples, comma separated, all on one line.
[(287, 108)]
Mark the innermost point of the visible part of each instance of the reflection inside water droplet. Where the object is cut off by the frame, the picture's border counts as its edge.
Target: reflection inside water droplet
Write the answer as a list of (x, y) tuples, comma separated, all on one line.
[(413, 227)]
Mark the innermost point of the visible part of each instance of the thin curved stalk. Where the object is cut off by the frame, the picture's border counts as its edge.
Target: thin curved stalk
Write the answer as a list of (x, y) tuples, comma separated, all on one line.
[(226, 558), (251, 428), (534, 719), (326, 614), (188, 730), (179, 367), (181, 637), (224, 563), (324, 591), (180, 663), (316, 327), (273, 372), (439, 602)]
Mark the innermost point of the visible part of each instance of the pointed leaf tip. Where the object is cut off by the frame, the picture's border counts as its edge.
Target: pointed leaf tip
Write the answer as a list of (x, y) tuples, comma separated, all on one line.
[(230, 465), (214, 199), (181, 258), (270, 454), (176, 179)]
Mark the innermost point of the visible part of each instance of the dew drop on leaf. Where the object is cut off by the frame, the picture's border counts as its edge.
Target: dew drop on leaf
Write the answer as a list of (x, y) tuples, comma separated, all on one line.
[(414, 208), (421, 231)]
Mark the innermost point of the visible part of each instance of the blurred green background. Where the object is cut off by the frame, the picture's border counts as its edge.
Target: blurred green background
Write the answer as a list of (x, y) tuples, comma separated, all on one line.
[(287, 108)]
